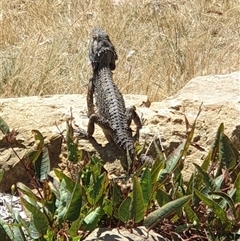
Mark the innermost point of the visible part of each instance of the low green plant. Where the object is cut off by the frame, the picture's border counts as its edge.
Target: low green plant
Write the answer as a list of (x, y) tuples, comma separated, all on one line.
[(207, 207)]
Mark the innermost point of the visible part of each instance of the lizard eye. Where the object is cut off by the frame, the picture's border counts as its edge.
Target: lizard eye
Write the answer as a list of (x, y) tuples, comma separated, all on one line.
[(94, 37)]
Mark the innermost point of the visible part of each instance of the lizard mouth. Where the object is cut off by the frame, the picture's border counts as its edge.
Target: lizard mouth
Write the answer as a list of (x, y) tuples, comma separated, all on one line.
[(104, 56), (101, 51)]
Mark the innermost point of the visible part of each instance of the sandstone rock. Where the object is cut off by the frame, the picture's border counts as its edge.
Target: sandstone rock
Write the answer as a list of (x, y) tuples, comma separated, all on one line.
[(164, 120), (220, 95)]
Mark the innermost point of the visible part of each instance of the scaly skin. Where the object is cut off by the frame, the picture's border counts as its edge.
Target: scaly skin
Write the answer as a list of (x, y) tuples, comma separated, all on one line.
[(112, 114)]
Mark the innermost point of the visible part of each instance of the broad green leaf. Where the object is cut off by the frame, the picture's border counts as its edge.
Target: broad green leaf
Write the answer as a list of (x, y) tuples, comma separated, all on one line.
[(174, 158), (6, 233), (91, 220), (108, 207), (219, 180), (190, 214), (226, 197), (162, 197), (226, 153), (42, 165), (163, 176), (17, 225), (38, 219), (177, 157), (116, 194), (146, 183), (215, 145), (138, 208), (230, 194), (20, 227), (123, 211), (18, 233), (91, 171), (61, 176), (65, 199), (1, 174), (163, 212), (190, 183), (33, 155), (73, 153), (95, 168), (157, 166), (38, 137), (97, 190), (26, 190), (213, 206), (206, 178), (206, 163), (75, 202), (237, 186), (3, 126)]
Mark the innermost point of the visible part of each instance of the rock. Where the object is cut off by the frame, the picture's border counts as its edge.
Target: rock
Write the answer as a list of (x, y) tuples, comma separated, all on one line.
[(163, 120), (136, 234), (220, 95)]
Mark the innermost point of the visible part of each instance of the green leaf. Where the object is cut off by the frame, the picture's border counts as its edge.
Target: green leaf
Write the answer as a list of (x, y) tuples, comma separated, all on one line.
[(138, 208), (39, 222), (65, 199), (190, 214), (3, 126), (26, 190), (157, 166), (219, 180), (206, 163), (6, 233), (163, 176), (91, 220), (116, 196), (18, 233), (146, 184), (156, 216), (75, 202), (108, 207), (226, 153), (237, 186), (42, 165), (123, 211), (162, 197), (97, 190), (173, 159), (1, 174), (61, 176), (73, 153), (214, 206), (76, 225), (33, 155), (215, 146), (177, 157), (225, 197), (207, 179)]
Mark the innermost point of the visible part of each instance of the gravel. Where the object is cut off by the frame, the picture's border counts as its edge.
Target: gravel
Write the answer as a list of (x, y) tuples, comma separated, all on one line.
[(9, 204)]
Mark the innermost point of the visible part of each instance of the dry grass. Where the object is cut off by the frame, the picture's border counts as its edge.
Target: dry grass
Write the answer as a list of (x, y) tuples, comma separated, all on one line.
[(161, 44)]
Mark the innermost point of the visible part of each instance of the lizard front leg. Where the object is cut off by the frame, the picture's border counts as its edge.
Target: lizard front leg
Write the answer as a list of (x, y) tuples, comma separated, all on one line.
[(90, 105), (132, 115)]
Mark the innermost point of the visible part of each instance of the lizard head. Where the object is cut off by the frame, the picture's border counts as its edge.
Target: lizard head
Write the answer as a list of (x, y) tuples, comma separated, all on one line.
[(101, 50)]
